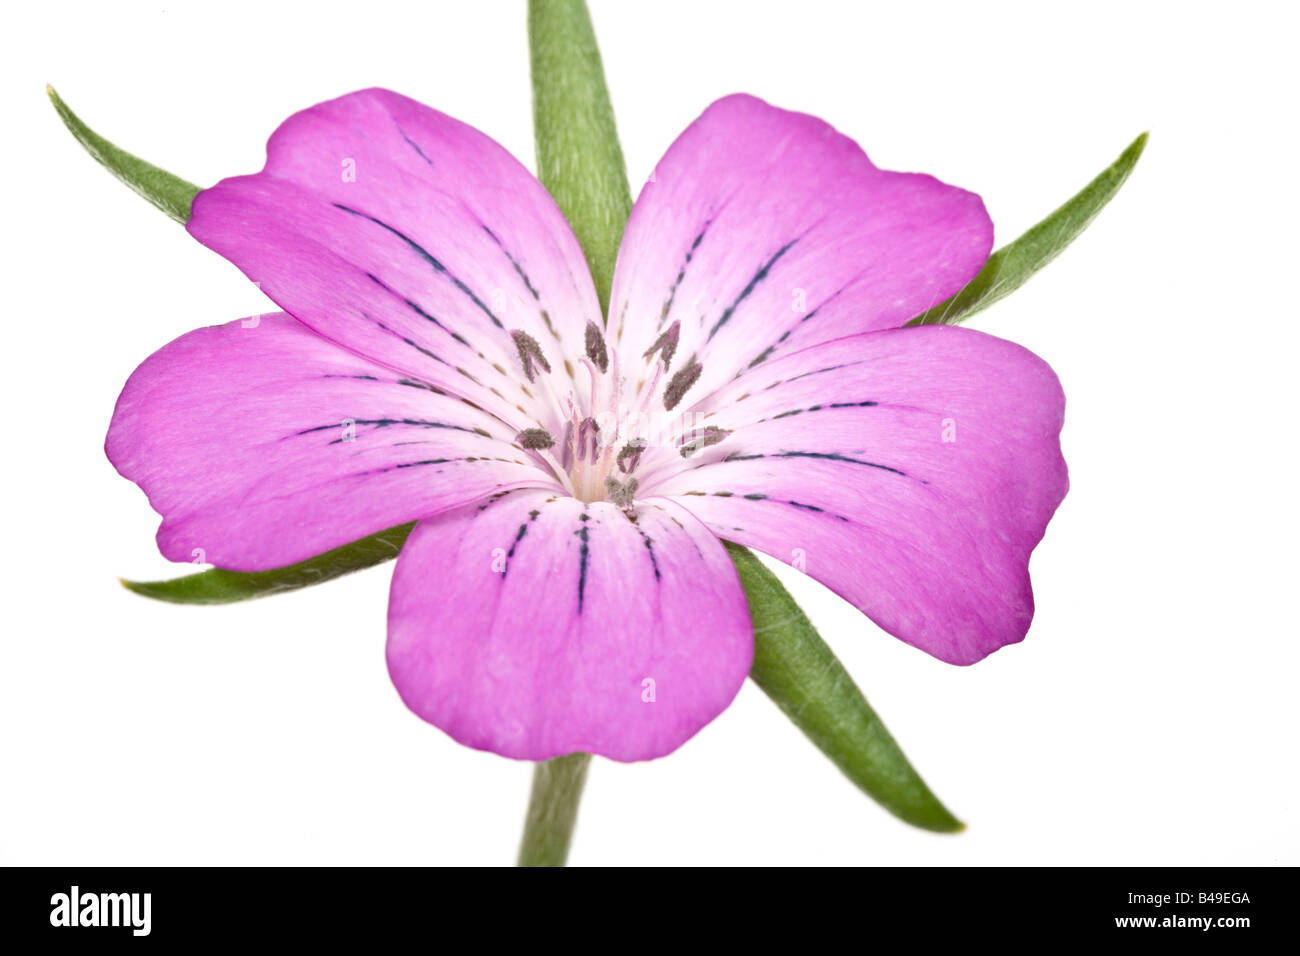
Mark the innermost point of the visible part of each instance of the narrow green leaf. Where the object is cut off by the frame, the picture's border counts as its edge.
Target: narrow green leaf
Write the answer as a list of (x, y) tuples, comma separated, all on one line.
[(169, 193), (1011, 266), (217, 586), (793, 666), (579, 159)]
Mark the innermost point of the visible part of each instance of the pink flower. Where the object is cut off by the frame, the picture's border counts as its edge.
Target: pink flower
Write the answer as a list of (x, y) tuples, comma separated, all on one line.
[(443, 357)]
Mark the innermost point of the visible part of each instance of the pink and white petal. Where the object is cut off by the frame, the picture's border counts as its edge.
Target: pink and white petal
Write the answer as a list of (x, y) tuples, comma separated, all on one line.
[(536, 625), (412, 239), (912, 471), (765, 231), (263, 444)]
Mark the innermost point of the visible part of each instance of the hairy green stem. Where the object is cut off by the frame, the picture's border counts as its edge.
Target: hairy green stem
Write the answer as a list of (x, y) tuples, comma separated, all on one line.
[(580, 163), (553, 810)]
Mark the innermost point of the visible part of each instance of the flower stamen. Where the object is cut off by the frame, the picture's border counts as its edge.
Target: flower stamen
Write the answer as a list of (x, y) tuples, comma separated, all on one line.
[(681, 383), (630, 455), (666, 344), (530, 354), (535, 439), (621, 493), (596, 351), (702, 438)]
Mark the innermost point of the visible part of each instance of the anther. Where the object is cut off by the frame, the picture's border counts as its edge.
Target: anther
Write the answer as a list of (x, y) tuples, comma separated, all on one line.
[(596, 350), (535, 439), (681, 383), (667, 342), (703, 438), (621, 493), (530, 353), (630, 455)]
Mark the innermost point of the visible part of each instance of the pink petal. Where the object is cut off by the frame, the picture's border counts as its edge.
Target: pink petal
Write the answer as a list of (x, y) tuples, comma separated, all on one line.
[(537, 626), (764, 232), (239, 434), (912, 471), (412, 239)]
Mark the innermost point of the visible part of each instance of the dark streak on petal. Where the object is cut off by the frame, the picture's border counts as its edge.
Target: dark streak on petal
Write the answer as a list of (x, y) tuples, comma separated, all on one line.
[(820, 455), (584, 556), (836, 456), (514, 262), (759, 276), (384, 423), (818, 408), (820, 371), (433, 461), (523, 530), (681, 273), (413, 144), (417, 309), (650, 549), (495, 497), (427, 257), (756, 496), (806, 507), (411, 342)]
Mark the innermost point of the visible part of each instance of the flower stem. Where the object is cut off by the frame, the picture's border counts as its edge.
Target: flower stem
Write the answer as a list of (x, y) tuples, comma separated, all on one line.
[(552, 810), (580, 162)]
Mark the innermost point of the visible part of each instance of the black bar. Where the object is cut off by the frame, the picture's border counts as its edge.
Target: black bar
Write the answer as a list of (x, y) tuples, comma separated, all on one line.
[(654, 907)]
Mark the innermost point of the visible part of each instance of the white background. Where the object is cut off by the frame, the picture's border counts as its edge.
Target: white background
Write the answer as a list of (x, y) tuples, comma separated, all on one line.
[(1150, 716)]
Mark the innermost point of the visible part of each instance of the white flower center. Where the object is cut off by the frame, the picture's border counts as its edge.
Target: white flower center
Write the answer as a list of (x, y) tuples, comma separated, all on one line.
[(608, 447)]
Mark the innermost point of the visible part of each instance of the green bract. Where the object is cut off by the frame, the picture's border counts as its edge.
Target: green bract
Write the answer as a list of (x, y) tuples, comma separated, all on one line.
[(579, 160), (169, 193), (793, 666), (1011, 266), (218, 586)]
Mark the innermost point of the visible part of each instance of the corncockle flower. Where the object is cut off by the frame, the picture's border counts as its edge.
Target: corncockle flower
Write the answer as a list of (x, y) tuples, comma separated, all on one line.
[(443, 357)]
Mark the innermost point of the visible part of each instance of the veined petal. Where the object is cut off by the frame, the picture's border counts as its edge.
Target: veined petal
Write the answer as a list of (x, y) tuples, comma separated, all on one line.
[(912, 471), (535, 625), (414, 240), (261, 444), (764, 232)]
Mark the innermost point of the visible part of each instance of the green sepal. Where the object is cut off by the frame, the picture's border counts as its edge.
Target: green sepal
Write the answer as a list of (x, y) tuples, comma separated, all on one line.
[(218, 586), (794, 667), (1011, 266), (579, 159), (169, 193)]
